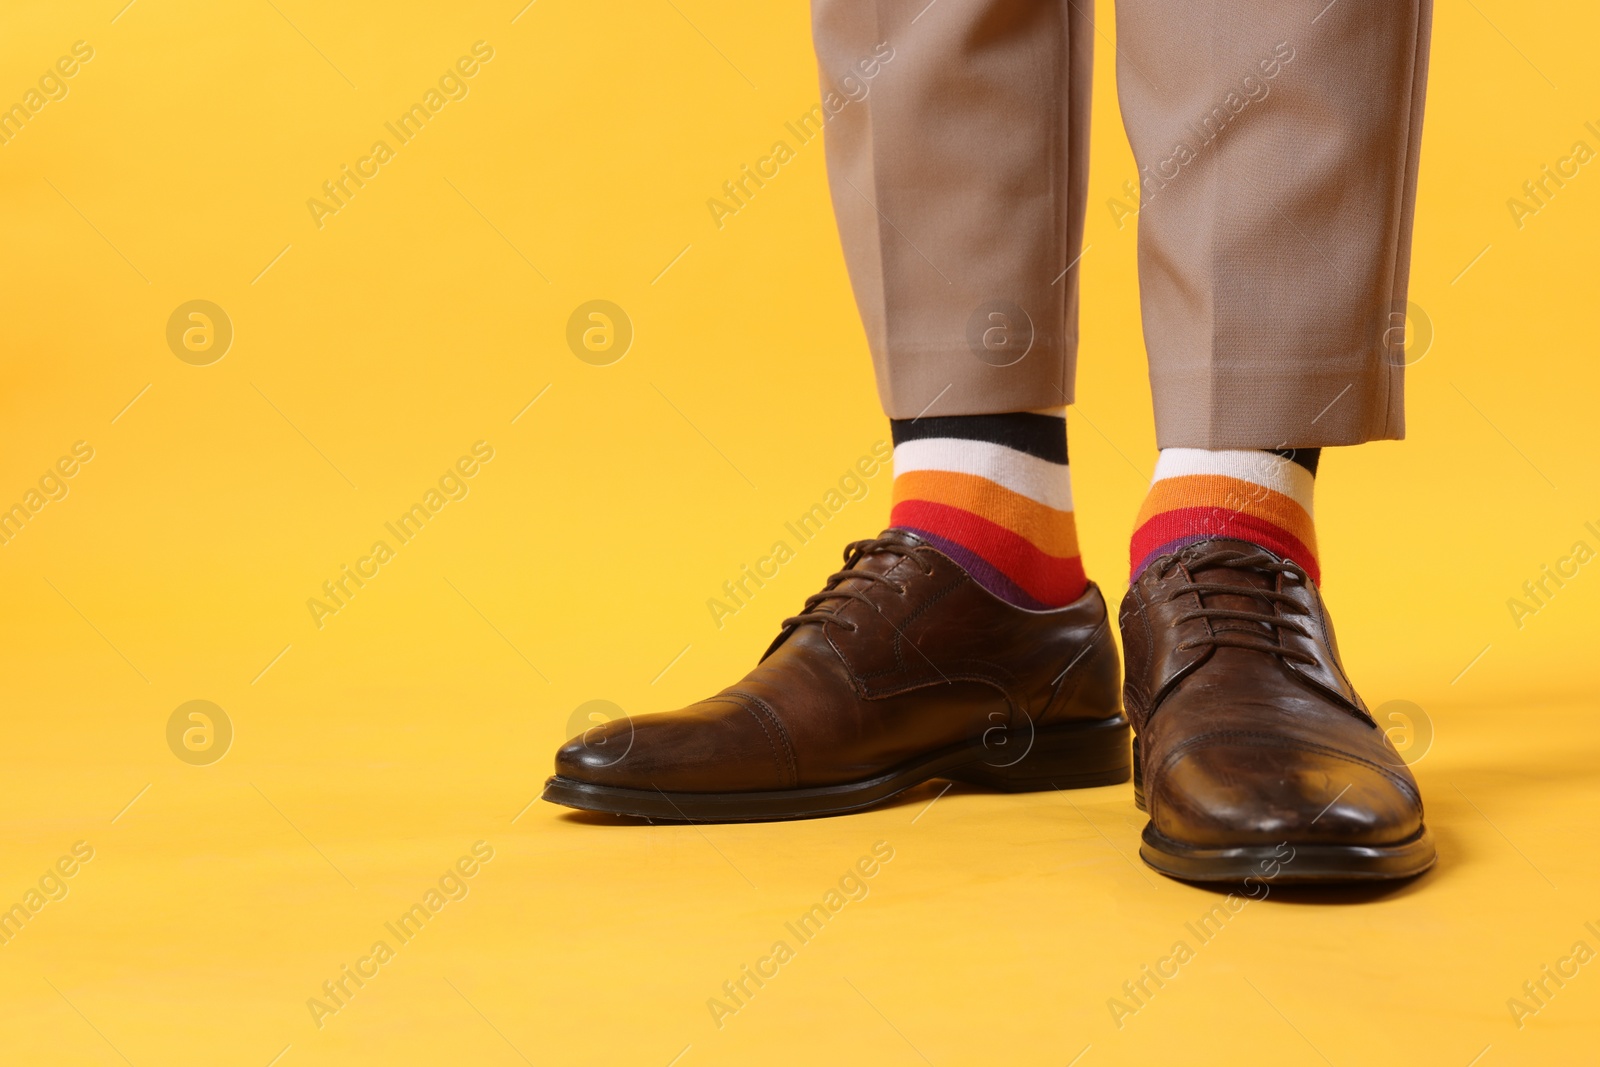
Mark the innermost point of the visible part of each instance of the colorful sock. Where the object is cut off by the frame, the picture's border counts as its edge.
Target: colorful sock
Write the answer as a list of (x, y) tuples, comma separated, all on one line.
[(993, 493), (1259, 496)]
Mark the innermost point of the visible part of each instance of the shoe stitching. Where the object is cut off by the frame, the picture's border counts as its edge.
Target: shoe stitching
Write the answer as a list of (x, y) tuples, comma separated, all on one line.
[(1319, 616), (1279, 740), (1142, 610), (899, 631), (783, 735), (784, 772), (767, 733), (898, 643), (1268, 739)]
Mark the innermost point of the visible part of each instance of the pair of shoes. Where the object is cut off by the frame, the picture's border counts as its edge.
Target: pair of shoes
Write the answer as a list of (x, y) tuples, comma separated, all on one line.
[(1246, 734)]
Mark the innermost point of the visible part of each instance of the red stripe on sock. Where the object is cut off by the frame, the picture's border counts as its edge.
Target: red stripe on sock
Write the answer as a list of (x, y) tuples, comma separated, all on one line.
[(1169, 526), (1052, 580)]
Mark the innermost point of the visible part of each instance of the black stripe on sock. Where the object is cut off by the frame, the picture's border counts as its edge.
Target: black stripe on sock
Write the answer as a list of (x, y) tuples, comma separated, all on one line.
[(1305, 457), (1042, 436)]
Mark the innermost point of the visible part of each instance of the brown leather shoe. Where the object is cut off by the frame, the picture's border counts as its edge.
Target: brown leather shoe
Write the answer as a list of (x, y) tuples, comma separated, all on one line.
[(901, 670), (1249, 735)]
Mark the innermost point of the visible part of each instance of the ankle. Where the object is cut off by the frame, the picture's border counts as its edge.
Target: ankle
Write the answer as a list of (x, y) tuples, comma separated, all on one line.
[(1259, 496), (994, 493)]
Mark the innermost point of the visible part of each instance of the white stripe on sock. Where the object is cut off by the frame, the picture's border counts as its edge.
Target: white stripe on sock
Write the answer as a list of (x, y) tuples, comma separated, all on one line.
[(1247, 465), (1037, 479)]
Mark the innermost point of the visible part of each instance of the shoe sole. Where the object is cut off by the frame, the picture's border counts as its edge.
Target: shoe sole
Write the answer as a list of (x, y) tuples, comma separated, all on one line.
[(1071, 756), (1307, 864)]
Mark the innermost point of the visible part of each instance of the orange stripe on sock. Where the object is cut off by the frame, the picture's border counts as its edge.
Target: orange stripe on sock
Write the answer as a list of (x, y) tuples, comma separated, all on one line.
[(1053, 532), (1230, 496), (1048, 579)]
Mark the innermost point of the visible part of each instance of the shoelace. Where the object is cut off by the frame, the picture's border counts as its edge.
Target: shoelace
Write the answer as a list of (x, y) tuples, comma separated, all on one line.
[(1259, 642), (854, 553)]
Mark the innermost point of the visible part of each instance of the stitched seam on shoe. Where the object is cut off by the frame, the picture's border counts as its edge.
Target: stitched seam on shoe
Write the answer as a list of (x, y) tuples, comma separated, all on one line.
[(783, 735), (950, 676), (1267, 740), (935, 598), (1146, 697), (899, 659), (899, 631), (767, 733), (900, 639), (1336, 668), (899, 662), (783, 771)]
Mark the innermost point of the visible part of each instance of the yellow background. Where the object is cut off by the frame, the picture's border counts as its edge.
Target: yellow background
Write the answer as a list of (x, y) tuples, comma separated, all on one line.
[(425, 316)]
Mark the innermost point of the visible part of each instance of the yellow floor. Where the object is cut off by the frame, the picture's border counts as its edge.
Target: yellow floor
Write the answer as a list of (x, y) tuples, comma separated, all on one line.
[(217, 904)]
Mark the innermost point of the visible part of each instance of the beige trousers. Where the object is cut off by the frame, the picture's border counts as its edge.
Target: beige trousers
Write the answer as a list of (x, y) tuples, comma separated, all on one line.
[(1276, 142)]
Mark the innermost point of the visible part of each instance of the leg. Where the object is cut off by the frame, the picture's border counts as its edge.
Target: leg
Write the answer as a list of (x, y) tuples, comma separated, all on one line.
[(959, 186), (1277, 151)]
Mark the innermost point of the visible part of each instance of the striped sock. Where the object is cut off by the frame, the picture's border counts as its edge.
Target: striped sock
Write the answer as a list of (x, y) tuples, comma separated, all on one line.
[(1259, 496), (994, 494)]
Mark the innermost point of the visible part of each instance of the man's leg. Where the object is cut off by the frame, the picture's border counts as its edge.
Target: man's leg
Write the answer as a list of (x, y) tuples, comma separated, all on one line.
[(958, 183), (959, 187), (1277, 151), (964, 642)]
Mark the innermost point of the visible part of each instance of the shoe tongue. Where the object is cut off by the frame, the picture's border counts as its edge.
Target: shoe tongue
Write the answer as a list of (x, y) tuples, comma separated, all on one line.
[(1245, 579)]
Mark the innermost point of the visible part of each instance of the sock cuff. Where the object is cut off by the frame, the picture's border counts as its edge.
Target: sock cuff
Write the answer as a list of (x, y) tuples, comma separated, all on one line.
[(1041, 436), (1306, 457)]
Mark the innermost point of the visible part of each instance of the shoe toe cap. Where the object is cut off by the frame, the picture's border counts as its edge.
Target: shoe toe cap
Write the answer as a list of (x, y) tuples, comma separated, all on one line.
[(1224, 794)]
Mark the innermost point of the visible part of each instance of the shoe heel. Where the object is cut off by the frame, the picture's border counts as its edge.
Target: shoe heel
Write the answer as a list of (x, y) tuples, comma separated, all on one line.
[(1138, 779), (1066, 756)]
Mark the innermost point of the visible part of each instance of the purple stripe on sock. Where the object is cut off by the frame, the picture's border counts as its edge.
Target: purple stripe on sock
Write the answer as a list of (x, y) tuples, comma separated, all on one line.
[(981, 571), (1169, 548)]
